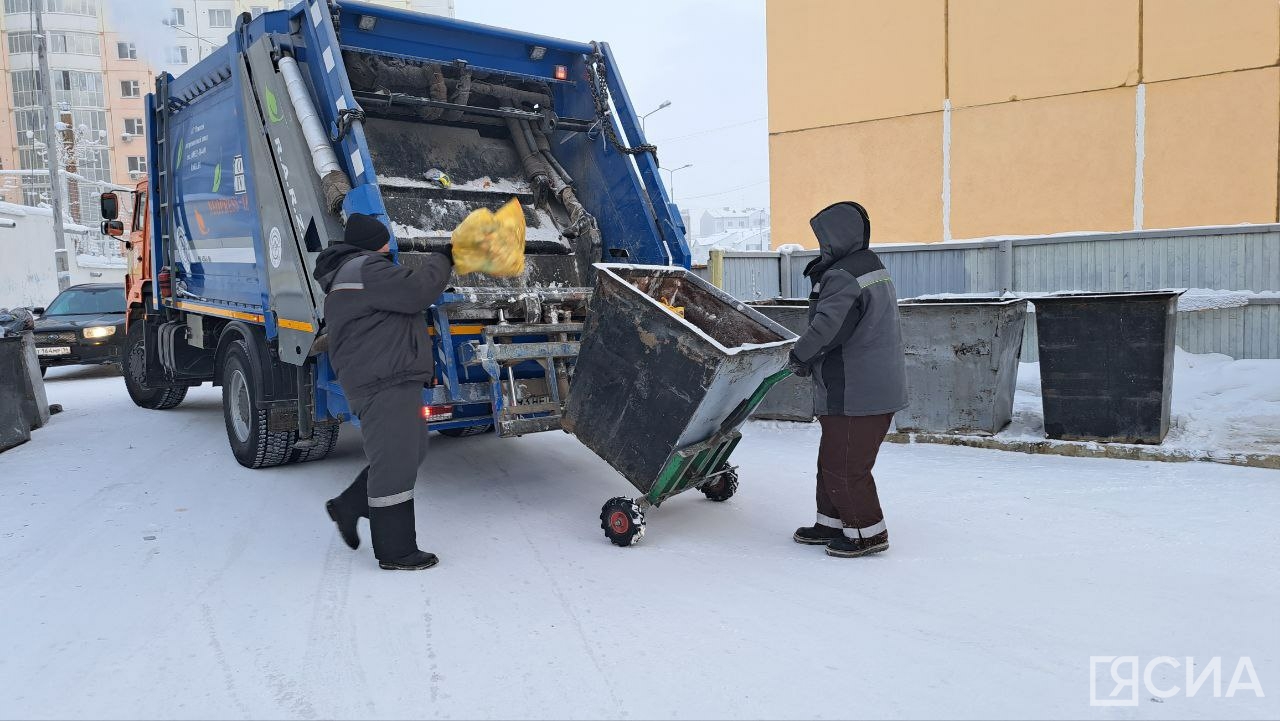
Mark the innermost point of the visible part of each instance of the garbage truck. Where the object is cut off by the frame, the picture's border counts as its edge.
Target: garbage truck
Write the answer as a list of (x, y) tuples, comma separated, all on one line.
[(305, 116)]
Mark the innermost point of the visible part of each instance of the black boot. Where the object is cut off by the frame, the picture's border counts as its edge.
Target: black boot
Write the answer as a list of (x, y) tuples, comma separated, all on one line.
[(395, 538), (854, 547), (817, 535), (349, 507)]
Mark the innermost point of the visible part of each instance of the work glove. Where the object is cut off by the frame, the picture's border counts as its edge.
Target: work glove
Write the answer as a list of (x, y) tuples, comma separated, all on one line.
[(491, 243), (798, 369)]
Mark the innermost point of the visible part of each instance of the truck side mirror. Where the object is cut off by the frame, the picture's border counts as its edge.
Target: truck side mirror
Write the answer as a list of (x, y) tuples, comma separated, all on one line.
[(109, 205), (113, 228), (38, 310)]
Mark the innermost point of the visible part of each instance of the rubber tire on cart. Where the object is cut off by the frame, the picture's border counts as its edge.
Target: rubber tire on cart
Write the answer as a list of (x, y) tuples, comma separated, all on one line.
[(252, 442), (325, 437), (622, 521), (723, 486), (133, 366), (466, 432)]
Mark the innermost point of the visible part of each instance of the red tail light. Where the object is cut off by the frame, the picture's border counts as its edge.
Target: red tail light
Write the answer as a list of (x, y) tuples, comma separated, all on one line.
[(437, 413), (562, 72)]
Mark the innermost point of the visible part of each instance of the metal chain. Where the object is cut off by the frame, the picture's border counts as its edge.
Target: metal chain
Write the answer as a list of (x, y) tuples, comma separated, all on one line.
[(598, 82)]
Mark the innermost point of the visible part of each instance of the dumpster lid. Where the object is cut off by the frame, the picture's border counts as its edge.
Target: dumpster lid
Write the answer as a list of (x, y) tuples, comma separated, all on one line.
[(961, 299), (1118, 295), (765, 333)]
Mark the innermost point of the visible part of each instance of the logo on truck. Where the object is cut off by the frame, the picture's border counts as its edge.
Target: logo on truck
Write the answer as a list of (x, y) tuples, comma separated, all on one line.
[(274, 247)]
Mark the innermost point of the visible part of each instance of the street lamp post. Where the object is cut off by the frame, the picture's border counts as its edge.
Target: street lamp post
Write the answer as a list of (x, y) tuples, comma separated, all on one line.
[(671, 178), (665, 103)]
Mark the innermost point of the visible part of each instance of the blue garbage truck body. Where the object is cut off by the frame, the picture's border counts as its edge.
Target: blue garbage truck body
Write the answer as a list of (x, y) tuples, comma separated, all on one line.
[(258, 153)]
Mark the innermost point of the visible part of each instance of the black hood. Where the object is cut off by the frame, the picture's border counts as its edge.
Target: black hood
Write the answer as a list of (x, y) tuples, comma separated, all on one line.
[(76, 321), (331, 259), (842, 229)]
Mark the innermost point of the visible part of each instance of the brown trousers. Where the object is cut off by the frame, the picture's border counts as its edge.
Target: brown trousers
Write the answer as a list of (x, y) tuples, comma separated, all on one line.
[(847, 495)]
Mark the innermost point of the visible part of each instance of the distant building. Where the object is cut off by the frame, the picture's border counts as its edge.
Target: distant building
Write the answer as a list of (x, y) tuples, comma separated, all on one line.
[(103, 56), (687, 219), (720, 220), (757, 238)]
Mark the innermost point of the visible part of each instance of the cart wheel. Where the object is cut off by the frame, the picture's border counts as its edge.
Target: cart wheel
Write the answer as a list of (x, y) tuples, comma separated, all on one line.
[(622, 521), (724, 485)]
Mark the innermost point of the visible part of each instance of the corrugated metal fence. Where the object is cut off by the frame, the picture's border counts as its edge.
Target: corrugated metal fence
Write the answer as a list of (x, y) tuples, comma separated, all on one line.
[(1239, 258)]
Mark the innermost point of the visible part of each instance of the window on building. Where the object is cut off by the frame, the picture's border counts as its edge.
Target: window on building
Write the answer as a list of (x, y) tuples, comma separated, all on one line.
[(74, 43), (130, 89), (137, 163), (178, 55), (20, 43), (126, 51), (257, 10), (135, 126), (178, 17), (219, 18), (79, 89), (68, 7)]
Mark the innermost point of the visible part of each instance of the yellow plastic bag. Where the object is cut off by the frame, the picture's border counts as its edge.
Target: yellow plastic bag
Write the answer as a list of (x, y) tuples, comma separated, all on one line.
[(491, 243)]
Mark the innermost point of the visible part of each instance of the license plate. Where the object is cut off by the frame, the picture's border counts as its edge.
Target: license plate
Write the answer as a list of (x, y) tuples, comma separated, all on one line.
[(56, 350)]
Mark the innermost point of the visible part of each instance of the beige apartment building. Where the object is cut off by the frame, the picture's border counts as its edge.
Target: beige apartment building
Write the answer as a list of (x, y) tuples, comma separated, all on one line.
[(955, 119), (103, 58)]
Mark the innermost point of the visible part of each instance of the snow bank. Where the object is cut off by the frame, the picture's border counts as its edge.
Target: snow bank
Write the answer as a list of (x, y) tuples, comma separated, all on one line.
[(1220, 406)]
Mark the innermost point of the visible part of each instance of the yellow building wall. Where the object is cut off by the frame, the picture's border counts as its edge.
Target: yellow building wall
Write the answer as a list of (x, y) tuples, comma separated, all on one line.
[(1003, 50), (842, 61), (1212, 150), (1185, 38), (1045, 114), (1042, 166), (890, 166)]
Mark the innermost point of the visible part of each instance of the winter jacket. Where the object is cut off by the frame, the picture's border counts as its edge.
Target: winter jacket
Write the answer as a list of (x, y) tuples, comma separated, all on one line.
[(373, 313), (853, 346)]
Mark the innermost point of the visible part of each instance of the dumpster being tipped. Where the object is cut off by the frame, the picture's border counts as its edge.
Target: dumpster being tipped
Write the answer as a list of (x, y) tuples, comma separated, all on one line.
[(669, 369)]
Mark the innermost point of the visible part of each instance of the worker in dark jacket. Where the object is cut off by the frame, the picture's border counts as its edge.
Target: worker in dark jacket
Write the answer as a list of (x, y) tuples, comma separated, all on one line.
[(381, 352), (853, 351)]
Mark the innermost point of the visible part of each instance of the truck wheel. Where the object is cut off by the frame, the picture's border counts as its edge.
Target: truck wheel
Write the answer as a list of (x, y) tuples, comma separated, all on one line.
[(252, 443), (325, 437), (133, 365)]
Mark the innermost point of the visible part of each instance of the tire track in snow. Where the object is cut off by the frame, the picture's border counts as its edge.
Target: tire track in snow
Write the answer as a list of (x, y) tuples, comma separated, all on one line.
[(333, 636), (228, 676)]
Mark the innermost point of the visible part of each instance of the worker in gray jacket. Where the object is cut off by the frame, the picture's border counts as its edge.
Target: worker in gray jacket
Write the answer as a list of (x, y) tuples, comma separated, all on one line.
[(382, 355), (853, 351)]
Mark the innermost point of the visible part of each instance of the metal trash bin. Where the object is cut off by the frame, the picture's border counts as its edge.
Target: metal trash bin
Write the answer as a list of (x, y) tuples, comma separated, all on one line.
[(15, 422), (1106, 364), (660, 397), (792, 398), (35, 400), (962, 363)]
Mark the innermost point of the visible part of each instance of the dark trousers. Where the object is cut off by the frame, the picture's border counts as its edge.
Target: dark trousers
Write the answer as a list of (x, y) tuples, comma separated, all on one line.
[(395, 442), (847, 495)]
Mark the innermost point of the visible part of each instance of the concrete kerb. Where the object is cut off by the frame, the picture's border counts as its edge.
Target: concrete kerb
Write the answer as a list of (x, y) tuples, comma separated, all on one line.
[(1119, 451)]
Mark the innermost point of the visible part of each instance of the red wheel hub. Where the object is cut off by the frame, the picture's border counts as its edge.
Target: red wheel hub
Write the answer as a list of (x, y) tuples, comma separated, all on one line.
[(619, 522)]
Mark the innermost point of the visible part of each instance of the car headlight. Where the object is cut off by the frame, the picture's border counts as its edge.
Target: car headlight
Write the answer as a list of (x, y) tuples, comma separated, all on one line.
[(99, 331)]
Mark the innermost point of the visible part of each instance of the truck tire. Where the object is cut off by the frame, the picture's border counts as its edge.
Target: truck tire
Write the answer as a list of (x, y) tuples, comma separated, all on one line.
[(326, 437), (252, 442), (133, 365)]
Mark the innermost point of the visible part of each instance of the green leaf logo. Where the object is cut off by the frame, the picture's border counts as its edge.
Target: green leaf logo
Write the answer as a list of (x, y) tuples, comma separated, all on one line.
[(178, 162), (217, 177), (273, 107)]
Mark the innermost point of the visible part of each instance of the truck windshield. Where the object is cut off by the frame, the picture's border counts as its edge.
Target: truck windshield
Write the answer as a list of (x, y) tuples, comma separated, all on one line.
[(76, 301)]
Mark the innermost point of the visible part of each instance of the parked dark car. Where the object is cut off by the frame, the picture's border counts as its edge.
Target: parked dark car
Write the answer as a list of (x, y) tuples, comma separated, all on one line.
[(84, 325)]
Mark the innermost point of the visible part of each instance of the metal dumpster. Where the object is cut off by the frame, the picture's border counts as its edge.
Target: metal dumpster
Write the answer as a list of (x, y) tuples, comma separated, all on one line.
[(669, 369), (1106, 364), (792, 398), (962, 363), (15, 422)]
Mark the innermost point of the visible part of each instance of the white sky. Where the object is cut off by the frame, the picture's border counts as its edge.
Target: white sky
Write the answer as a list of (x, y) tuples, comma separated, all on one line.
[(706, 56)]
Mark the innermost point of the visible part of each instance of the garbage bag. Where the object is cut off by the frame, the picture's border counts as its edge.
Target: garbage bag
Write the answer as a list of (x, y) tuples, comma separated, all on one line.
[(491, 243), (16, 321)]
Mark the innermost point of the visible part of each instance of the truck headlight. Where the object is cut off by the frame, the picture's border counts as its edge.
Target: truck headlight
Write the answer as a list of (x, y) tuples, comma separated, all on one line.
[(99, 331)]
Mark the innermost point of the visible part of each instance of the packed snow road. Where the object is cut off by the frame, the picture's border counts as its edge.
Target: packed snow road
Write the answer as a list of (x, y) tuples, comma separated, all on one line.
[(144, 574)]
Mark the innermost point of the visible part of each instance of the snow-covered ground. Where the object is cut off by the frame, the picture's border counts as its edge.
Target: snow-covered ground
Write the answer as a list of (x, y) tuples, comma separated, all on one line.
[(1220, 406), (144, 574)]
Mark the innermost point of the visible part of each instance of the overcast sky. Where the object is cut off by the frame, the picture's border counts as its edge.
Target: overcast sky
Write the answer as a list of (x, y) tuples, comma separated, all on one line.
[(707, 57)]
